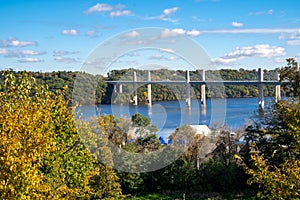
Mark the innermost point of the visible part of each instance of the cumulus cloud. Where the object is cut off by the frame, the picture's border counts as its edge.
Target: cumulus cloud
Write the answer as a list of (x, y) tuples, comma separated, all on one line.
[(114, 11), (119, 13), (99, 7), (179, 32), (132, 34), (168, 12), (20, 53), (30, 60), (257, 51), (193, 33), (237, 24), (260, 50), (70, 32), (223, 61), (165, 16), (13, 42), (172, 33)]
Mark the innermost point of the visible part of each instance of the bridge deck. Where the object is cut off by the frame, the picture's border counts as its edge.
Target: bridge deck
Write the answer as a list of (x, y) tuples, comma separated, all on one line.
[(197, 82)]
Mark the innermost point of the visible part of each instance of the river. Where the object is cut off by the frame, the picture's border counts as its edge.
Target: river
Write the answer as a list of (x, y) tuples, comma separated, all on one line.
[(168, 115)]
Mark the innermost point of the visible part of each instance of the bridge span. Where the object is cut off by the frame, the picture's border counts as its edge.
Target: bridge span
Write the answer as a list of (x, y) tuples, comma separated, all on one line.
[(260, 83)]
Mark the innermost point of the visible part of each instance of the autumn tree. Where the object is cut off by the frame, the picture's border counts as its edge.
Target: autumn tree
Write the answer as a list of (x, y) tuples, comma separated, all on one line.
[(275, 152), (41, 155)]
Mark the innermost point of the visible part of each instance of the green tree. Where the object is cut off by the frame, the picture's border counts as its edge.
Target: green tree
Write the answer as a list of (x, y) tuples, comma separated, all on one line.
[(275, 153), (290, 78)]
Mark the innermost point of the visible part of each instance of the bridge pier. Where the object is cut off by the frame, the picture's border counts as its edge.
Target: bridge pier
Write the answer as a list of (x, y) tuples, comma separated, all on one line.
[(135, 97), (203, 91), (120, 88), (149, 90), (188, 89), (277, 87), (261, 101)]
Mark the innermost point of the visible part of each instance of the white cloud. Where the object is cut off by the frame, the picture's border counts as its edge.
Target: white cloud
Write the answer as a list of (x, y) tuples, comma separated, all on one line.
[(13, 42), (172, 33), (30, 60), (99, 7), (170, 11), (132, 34), (3, 51), (20, 53), (260, 50), (162, 57), (223, 61), (294, 39), (119, 13), (251, 31), (165, 16), (115, 11), (267, 12), (167, 50), (65, 60), (193, 33), (257, 51), (293, 42), (237, 24), (70, 32)]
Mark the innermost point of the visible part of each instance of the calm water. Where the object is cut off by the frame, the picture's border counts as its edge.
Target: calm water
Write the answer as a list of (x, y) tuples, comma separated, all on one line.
[(168, 115)]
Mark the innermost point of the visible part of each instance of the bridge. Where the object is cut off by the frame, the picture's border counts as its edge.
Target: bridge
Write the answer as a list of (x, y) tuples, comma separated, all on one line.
[(260, 83)]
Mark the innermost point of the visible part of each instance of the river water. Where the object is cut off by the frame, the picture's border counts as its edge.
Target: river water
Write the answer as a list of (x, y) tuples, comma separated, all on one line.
[(168, 115)]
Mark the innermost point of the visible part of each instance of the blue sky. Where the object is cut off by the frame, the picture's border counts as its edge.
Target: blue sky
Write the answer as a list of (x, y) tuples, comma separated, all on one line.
[(41, 35)]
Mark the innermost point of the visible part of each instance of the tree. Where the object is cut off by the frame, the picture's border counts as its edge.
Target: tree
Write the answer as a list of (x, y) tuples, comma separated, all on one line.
[(41, 155), (290, 78), (26, 129), (275, 153)]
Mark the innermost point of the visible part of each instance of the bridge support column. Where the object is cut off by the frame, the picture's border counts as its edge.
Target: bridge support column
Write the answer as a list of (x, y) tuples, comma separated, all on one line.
[(277, 87), (203, 92), (261, 89), (120, 88), (115, 88), (188, 90), (149, 90), (135, 97)]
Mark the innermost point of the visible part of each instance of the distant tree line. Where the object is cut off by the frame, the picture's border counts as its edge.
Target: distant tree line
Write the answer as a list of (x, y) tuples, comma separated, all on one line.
[(94, 88)]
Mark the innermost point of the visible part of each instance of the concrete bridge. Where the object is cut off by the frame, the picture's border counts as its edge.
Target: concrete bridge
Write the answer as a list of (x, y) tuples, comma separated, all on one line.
[(260, 83)]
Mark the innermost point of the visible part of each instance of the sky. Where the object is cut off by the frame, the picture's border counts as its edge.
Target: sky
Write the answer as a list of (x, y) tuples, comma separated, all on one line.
[(57, 35)]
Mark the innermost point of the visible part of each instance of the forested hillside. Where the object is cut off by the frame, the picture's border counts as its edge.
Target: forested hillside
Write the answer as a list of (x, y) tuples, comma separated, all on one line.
[(102, 95)]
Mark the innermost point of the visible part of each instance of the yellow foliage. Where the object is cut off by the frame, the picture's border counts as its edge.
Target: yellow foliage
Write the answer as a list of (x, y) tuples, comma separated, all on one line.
[(41, 155)]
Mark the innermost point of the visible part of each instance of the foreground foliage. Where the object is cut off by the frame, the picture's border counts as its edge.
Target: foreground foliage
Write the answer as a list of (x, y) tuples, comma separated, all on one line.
[(41, 156), (275, 164), (275, 144)]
